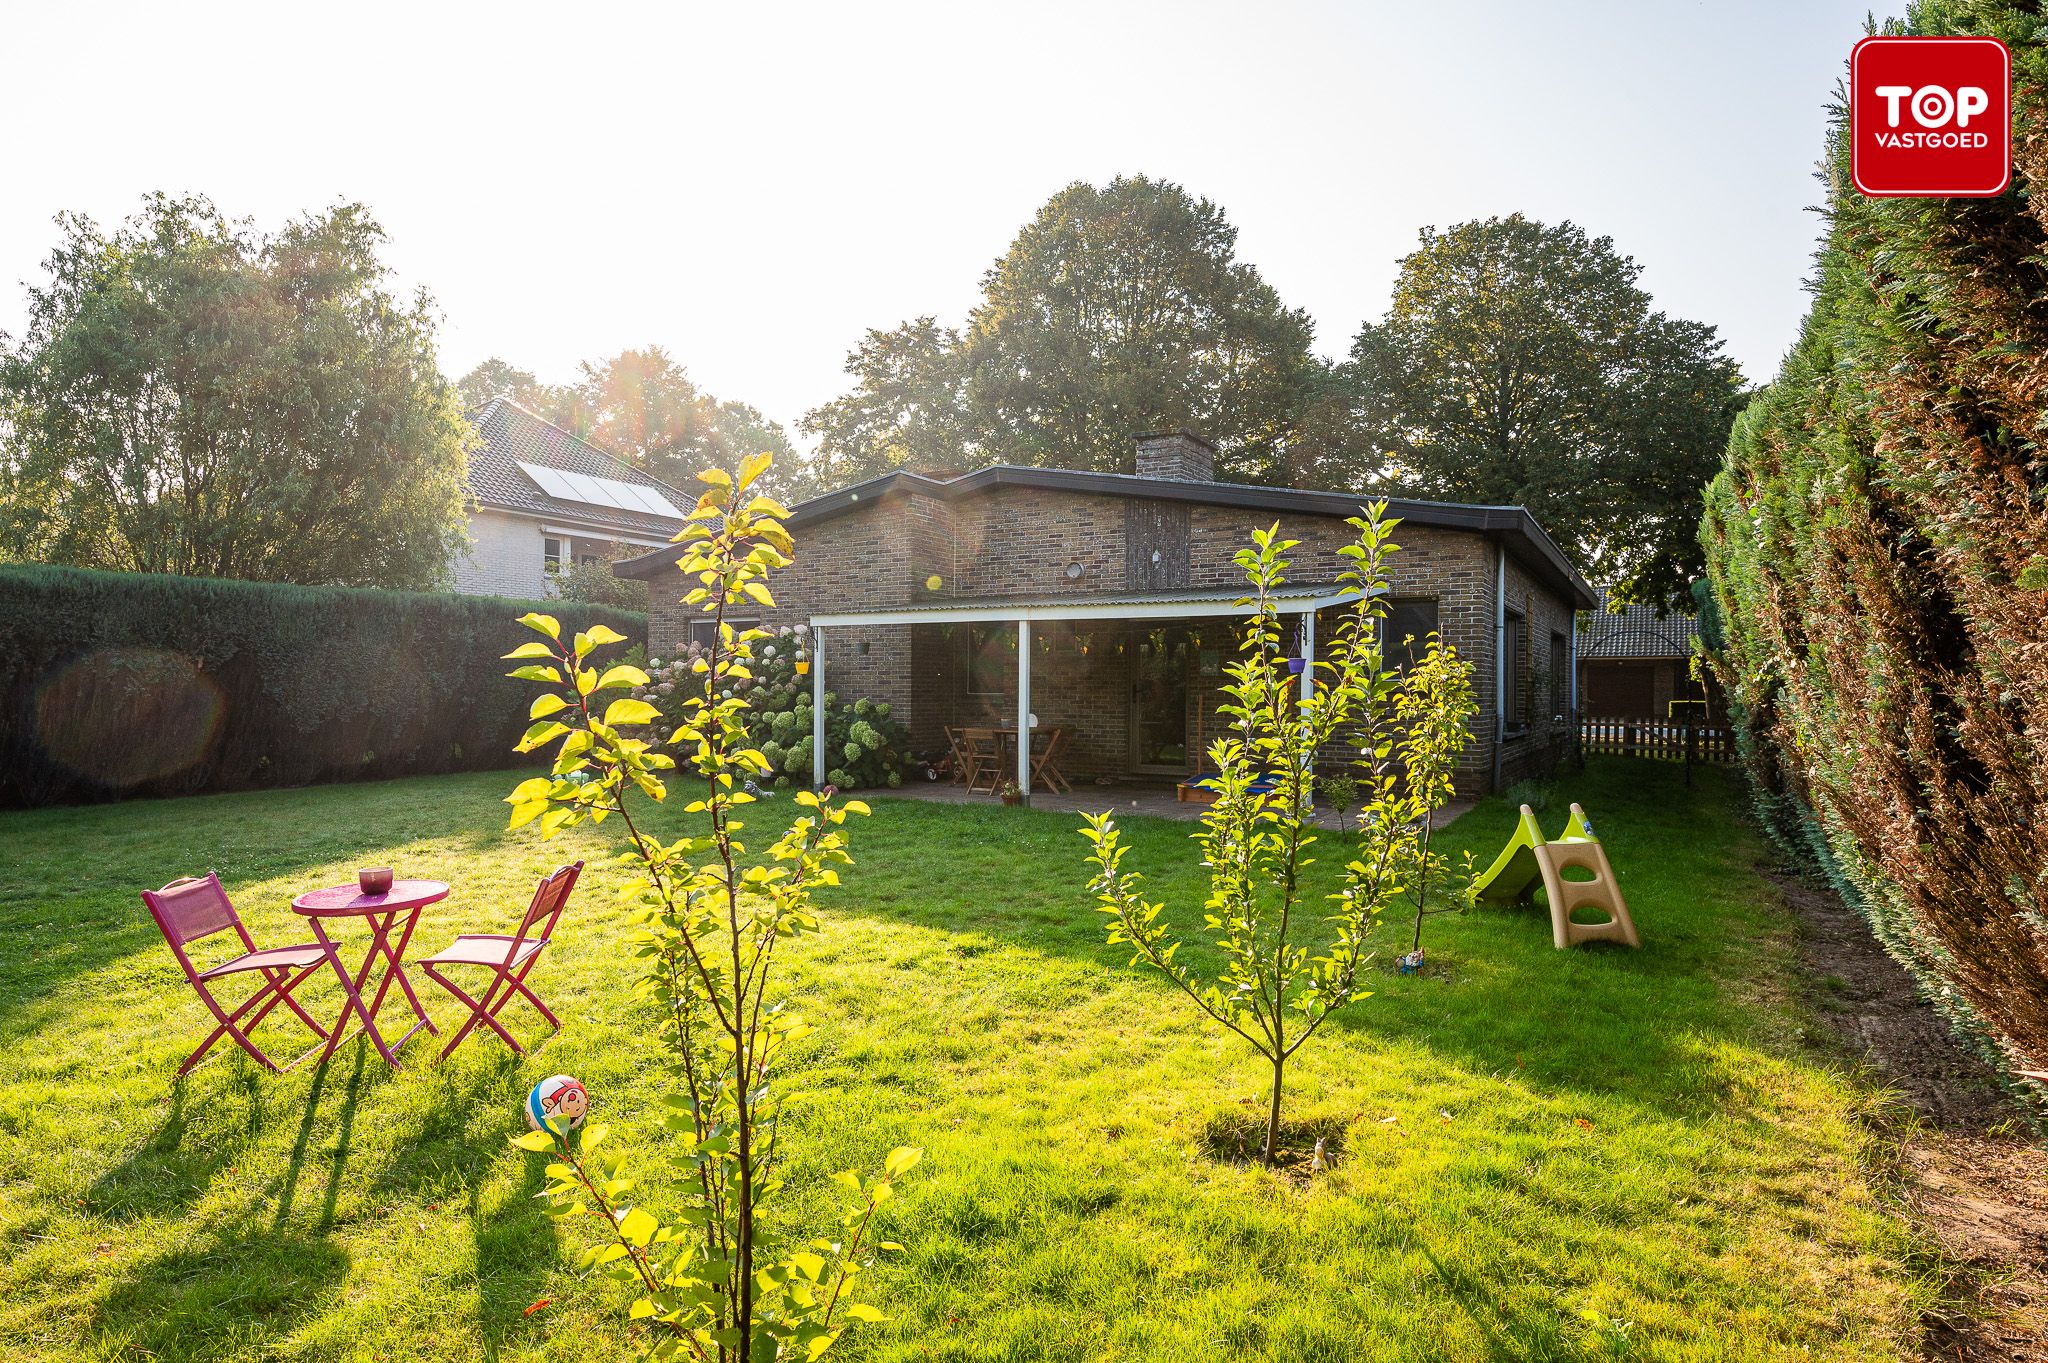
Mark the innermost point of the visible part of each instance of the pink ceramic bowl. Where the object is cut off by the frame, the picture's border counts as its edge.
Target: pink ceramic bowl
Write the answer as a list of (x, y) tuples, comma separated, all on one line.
[(375, 879)]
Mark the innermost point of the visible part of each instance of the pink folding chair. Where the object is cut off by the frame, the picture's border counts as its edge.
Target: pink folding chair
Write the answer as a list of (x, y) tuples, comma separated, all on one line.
[(508, 959), (196, 907)]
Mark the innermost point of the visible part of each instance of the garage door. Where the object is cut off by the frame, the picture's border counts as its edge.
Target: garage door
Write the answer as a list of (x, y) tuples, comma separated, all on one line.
[(1621, 690)]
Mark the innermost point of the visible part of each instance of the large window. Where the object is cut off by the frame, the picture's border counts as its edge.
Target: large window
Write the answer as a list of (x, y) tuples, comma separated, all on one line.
[(1515, 648), (1408, 625)]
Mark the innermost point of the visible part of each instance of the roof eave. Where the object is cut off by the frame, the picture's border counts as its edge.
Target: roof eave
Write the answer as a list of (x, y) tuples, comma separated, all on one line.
[(1494, 521)]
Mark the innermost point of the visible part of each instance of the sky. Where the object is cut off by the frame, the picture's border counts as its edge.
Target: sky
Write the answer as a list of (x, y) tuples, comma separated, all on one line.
[(754, 186)]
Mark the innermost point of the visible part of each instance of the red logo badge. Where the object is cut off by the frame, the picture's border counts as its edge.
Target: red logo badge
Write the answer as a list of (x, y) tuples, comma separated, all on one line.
[(1930, 117)]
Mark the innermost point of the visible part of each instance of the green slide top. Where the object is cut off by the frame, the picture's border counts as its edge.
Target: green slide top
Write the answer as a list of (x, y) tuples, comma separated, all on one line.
[(1514, 874)]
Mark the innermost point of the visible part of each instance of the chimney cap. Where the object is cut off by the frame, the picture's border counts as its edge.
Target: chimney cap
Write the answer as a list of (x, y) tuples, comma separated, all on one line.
[(1168, 433)]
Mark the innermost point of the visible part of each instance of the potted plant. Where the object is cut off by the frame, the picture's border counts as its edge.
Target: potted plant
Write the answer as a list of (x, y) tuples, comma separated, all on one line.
[(1011, 793)]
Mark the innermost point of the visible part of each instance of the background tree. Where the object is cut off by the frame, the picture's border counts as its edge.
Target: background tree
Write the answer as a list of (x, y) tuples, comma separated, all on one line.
[(1521, 363), (906, 408), (194, 397), (497, 378), (1116, 310), (643, 407)]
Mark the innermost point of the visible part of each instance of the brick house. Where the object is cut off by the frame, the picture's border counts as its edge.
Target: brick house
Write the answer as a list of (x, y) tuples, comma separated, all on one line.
[(1106, 604), (540, 497)]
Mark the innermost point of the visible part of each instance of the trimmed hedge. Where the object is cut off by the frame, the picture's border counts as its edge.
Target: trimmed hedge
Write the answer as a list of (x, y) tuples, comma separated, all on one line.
[(129, 684), (1878, 547)]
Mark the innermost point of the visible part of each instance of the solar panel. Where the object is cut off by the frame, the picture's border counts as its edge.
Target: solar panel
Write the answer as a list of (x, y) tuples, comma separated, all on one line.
[(611, 492)]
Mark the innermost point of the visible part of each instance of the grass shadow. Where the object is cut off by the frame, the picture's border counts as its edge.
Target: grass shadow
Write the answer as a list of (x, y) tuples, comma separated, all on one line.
[(167, 1174), (213, 1299)]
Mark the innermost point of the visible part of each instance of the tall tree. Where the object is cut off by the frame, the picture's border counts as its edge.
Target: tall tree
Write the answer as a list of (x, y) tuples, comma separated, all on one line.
[(194, 397), (643, 406), (498, 378), (906, 407), (1521, 363), (1116, 310)]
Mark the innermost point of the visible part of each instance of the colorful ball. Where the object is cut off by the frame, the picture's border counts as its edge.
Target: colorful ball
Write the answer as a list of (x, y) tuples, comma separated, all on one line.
[(558, 1096)]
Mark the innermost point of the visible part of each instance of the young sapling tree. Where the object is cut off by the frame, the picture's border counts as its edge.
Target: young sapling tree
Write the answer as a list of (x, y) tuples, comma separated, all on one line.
[(1407, 732), (708, 916)]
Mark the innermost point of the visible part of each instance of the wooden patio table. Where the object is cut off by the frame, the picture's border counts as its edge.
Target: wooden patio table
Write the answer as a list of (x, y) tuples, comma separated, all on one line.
[(391, 915)]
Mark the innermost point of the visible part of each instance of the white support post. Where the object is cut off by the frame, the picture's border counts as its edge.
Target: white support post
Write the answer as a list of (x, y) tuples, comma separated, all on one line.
[(1308, 689), (817, 707), (1024, 708), (1571, 712), (1308, 654)]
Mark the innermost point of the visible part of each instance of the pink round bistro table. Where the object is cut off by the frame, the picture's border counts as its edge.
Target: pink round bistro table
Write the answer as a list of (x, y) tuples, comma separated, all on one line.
[(391, 916)]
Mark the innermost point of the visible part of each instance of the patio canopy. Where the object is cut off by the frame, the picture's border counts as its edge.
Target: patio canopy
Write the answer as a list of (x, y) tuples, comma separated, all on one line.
[(1303, 599)]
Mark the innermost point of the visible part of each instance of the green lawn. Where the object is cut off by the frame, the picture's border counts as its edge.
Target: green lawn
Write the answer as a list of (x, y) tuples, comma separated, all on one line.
[(1544, 1155)]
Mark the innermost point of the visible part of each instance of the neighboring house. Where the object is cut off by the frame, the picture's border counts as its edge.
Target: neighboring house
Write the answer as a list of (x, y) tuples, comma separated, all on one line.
[(540, 497), (1123, 590), (1634, 663)]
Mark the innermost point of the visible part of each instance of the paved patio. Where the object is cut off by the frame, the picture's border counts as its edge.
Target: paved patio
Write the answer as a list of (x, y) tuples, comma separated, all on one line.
[(1157, 801)]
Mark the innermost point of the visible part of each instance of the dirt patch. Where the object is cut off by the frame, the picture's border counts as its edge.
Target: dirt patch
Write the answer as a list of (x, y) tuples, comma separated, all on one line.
[(1238, 1136), (1977, 1182)]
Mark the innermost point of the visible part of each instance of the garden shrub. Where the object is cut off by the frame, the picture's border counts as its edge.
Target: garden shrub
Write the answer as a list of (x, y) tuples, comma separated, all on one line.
[(864, 746), (1878, 551), (130, 684)]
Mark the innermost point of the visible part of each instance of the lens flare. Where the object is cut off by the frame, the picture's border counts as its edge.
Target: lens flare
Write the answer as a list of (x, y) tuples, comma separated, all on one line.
[(122, 716)]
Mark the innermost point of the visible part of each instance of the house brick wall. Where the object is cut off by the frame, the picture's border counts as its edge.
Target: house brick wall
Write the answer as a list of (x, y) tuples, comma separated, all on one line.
[(1533, 752), (1014, 541), (504, 557)]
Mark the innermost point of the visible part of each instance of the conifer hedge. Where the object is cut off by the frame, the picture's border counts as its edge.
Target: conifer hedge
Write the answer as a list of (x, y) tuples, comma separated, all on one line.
[(1878, 548), (123, 684)]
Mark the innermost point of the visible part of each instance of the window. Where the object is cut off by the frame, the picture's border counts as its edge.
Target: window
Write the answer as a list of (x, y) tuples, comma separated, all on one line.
[(1515, 649), (1406, 631), (553, 549), (1560, 682)]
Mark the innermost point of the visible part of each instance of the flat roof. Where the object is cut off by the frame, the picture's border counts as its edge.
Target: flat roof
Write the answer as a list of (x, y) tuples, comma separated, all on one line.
[(1511, 525)]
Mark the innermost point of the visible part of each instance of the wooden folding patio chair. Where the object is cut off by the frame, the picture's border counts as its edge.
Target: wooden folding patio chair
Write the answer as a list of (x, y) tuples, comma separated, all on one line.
[(507, 958), (1045, 764), (956, 744), (193, 908), (984, 750)]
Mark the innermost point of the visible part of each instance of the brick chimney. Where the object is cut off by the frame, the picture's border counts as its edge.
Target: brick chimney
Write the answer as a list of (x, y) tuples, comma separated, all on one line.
[(1177, 454)]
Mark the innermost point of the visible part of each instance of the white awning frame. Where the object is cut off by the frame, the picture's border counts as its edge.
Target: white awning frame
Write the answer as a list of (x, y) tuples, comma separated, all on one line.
[(1081, 608), (1023, 614)]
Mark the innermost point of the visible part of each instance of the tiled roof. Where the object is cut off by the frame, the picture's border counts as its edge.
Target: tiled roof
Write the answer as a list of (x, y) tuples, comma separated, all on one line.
[(512, 436), (1636, 632)]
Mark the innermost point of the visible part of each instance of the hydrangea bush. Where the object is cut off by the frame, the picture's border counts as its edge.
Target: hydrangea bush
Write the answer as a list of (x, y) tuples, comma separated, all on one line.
[(864, 745)]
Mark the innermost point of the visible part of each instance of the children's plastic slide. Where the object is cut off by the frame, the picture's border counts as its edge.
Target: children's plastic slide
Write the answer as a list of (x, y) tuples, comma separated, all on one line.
[(1530, 860)]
